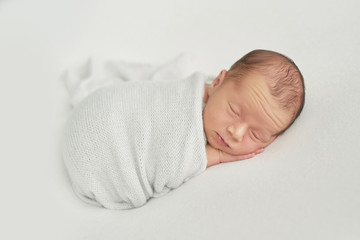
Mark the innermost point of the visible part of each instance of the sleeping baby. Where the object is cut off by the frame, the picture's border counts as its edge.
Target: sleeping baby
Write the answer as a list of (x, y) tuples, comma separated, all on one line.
[(133, 140)]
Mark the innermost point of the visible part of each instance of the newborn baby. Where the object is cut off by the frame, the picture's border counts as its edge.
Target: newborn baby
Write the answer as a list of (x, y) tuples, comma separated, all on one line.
[(128, 142), (250, 105)]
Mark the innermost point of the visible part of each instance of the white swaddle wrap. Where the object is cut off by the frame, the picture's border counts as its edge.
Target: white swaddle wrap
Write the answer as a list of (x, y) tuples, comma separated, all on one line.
[(131, 141)]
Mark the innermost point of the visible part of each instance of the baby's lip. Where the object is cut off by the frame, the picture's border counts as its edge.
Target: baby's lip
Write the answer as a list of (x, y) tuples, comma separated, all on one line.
[(221, 141)]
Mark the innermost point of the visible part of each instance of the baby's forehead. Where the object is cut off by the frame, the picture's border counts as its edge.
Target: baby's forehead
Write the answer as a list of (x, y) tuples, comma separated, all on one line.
[(254, 95), (250, 82)]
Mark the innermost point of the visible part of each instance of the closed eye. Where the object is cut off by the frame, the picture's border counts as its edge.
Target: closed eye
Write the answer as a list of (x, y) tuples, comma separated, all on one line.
[(233, 111), (264, 138), (256, 137), (253, 135)]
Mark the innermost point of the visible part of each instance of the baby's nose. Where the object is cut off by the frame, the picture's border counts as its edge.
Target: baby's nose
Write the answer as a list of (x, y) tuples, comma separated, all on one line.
[(238, 131)]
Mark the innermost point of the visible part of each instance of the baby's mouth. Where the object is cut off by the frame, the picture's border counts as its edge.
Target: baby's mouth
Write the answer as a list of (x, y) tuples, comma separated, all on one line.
[(221, 141)]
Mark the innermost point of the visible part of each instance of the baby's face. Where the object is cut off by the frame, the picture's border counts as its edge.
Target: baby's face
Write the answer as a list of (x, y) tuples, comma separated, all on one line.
[(240, 118)]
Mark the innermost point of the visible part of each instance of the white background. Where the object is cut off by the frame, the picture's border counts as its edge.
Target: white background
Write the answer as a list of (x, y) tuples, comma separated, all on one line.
[(305, 185)]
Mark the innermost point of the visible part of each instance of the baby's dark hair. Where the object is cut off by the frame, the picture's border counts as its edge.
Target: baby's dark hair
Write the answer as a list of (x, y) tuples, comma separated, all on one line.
[(286, 82)]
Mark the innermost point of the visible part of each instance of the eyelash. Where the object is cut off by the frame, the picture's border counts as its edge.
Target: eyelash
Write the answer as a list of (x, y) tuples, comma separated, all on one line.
[(254, 136), (233, 111)]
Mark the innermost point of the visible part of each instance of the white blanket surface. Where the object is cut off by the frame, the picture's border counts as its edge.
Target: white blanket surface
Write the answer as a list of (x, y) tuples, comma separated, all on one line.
[(129, 140)]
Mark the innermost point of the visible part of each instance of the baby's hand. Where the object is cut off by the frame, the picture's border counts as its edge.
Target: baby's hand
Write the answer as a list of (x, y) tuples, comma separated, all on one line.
[(225, 157), (215, 156)]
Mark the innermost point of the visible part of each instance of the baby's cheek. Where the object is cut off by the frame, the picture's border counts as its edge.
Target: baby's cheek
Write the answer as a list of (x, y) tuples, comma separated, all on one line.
[(245, 147), (252, 146)]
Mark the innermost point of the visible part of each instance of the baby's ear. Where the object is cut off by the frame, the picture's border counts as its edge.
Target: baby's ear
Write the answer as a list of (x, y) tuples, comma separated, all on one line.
[(218, 80)]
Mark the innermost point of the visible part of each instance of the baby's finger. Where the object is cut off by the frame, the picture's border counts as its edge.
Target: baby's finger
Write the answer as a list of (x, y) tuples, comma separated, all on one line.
[(246, 156), (224, 157), (260, 150)]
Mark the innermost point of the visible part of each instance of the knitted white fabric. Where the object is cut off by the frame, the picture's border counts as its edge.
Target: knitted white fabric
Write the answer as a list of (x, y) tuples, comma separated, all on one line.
[(135, 140), (97, 72)]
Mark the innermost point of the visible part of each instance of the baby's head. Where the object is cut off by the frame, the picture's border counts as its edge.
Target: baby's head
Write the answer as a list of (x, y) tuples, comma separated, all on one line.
[(252, 103)]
